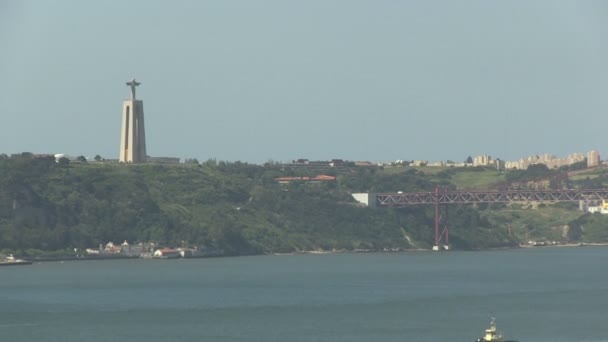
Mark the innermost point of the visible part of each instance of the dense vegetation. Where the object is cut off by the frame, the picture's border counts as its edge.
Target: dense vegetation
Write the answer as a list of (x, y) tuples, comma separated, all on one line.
[(235, 208)]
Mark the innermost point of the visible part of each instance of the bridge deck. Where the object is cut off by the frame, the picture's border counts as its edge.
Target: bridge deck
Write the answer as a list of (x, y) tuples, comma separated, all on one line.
[(505, 196)]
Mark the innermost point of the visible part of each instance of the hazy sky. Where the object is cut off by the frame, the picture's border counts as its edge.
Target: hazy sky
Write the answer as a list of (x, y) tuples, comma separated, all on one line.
[(319, 79)]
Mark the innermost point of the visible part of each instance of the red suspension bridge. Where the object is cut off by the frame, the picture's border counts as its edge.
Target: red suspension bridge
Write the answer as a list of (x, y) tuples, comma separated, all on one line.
[(442, 196)]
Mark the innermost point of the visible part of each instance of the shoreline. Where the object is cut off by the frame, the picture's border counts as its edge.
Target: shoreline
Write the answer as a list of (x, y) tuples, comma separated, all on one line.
[(318, 252), (581, 244)]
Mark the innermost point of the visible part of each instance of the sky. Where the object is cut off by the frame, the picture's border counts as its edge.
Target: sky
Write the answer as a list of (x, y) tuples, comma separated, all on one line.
[(278, 80)]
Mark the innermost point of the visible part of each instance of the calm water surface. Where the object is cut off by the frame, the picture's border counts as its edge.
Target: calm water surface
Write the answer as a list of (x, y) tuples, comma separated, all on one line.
[(539, 295)]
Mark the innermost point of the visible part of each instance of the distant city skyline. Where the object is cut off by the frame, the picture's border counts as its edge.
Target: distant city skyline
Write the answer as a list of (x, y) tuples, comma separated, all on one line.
[(282, 80)]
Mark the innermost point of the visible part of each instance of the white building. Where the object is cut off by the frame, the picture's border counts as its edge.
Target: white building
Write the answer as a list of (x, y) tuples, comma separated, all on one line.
[(167, 253), (483, 160), (551, 161), (593, 158)]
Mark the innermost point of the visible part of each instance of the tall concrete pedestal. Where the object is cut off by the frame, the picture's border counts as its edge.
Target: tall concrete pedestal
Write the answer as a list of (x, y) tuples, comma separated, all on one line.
[(133, 133)]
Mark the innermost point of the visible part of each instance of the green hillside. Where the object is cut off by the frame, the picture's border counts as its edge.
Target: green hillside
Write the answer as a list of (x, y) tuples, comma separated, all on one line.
[(238, 208)]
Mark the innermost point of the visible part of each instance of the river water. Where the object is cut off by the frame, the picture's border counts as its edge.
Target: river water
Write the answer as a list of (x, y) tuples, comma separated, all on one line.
[(540, 295)]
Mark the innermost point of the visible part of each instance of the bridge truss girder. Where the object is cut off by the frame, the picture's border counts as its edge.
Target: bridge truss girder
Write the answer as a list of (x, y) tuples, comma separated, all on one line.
[(504, 196)]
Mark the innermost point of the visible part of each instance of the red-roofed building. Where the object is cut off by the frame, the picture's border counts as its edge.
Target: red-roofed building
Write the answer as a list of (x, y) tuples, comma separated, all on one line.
[(324, 178), (316, 179), (166, 253)]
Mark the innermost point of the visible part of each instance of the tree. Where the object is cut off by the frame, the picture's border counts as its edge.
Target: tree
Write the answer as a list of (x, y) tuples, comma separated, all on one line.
[(81, 159), (469, 160), (191, 161), (575, 232), (98, 158), (538, 171), (63, 161)]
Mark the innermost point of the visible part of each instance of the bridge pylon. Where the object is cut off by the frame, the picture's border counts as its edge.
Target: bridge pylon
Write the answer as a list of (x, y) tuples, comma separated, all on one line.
[(442, 234)]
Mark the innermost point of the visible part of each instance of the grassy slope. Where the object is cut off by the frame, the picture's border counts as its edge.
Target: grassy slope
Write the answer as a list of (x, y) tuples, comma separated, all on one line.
[(482, 179), (463, 178), (543, 223), (590, 173)]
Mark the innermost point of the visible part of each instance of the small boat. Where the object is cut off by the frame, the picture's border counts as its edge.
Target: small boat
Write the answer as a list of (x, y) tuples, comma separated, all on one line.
[(12, 261), (492, 334)]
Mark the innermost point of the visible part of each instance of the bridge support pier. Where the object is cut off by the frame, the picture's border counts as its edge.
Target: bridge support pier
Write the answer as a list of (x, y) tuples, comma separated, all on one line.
[(441, 237)]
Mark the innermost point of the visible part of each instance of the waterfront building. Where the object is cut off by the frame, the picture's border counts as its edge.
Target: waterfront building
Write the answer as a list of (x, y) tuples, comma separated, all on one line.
[(167, 253), (602, 209)]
